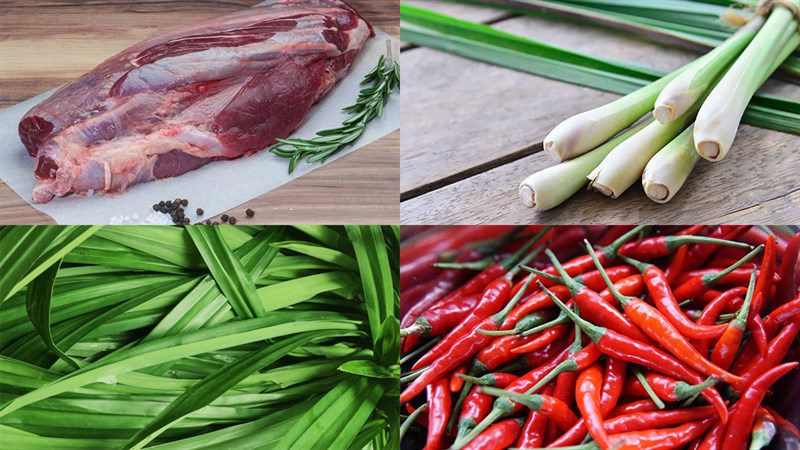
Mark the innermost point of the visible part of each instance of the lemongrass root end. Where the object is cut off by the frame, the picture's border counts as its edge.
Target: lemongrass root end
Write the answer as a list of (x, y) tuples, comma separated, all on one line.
[(709, 150), (551, 149), (657, 192), (527, 196), (664, 113), (603, 189)]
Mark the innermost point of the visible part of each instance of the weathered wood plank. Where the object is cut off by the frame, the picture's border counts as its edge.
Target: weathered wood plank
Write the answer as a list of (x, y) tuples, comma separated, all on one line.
[(46, 44), (756, 183)]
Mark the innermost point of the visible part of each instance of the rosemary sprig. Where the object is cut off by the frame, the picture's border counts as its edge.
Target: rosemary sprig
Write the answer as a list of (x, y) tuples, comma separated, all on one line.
[(384, 80)]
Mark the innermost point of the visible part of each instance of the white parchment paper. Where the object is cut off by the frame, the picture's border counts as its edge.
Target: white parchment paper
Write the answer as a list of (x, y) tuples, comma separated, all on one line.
[(215, 187)]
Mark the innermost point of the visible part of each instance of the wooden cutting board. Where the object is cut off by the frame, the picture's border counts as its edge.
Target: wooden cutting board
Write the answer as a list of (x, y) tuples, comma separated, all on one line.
[(46, 44)]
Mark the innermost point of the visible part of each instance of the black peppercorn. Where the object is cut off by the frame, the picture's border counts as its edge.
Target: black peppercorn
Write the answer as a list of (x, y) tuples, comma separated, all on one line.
[(232, 221), (208, 222), (186, 221), (215, 223), (250, 212), (161, 203), (155, 207), (168, 204), (224, 217), (185, 202), (164, 210), (200, 211)]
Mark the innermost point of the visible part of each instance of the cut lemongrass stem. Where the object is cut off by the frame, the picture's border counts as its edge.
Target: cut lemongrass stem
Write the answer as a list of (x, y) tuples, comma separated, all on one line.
[(624, 165), (719, 117), (552, 186), (668, 169), (684, 90)]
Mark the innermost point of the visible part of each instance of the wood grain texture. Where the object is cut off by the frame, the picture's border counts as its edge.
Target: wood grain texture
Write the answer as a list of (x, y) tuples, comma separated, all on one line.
[(47, 44), (473, 131)]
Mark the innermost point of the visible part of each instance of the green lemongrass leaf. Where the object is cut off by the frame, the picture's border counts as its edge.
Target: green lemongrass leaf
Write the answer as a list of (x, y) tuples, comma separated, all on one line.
[(258, 253), (376, 276), (328, 236), (171, 348), (369, 368), (233, 281), (14, 439), (290, 292), (368, 432), (38, 305), (204, 392), (171, 244), (387, 346), (319, 252)]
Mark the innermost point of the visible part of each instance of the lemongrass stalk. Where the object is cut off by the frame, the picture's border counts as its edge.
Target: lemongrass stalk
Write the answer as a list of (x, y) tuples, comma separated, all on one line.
[(552, 186), (625, 164), (666, 172), (719, 117), (684, 90)]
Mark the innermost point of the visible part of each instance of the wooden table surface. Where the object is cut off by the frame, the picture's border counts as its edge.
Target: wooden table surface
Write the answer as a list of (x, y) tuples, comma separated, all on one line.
[(46, 44), (472, 132)]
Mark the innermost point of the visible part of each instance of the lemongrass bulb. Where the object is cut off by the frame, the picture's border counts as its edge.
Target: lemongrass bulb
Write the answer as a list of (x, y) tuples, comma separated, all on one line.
[(624, 165), (684, 90), (552, 186), (668, 169), (720, 115)]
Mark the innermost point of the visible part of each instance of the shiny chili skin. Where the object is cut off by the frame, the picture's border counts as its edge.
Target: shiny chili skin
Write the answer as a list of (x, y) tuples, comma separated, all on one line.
[(438, 412), (443, 317), (780, 315), (565, 391), (498, 436), (539, 340), (632, 285), (477, 404), (609, 395), (657, 419), (699, 253), (764, 281), (713, 439), (535, 428), (533, 303), (660, 246), (618, 346), (787, 287), (419, 270), (587, 396), (455, 382), (712, 311), (492, 300), (728, 344), (661, 439), (676, 266), (449, 238), (741, 419), (501, 349), (644, 405), (738, 277), (667, 389), (779, 347), (665, 301)]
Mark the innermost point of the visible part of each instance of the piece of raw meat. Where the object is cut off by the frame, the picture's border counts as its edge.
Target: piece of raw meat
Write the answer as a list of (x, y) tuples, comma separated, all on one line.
[(222, 89)]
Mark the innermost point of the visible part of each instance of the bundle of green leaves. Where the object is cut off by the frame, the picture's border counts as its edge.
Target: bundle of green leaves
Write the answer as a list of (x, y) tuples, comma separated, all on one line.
[(199, 337)]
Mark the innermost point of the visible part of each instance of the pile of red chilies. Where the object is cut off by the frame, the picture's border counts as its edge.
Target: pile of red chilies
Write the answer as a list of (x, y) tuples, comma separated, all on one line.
[(648, 338)]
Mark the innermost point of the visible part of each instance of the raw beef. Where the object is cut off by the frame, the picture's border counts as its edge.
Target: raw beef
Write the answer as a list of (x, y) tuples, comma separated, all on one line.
[(222, 89)]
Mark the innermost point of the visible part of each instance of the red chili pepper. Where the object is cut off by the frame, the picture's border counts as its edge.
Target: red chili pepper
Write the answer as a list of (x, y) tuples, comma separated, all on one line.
[(780, 315), (764, 429), (498, 436), (632, 285), (587, 395), (438, 412), (676, 266), (531, 304), (416, 300), (691, 230), (535, 428), (540, 340), (500, 350), (728, 344), (609, 394), (712, 311), (657, 419), (787, 287), (741, 420), (556, 410), (537, 358), (667, 389), (612, 234), (699, 253), (593, 306), (492, 300), (697, 286), (463, 348), (645, 405), (421, 269), (779, 347), (667, 304), (656, 247), (713, 439), (658, 327), (564, 391), (661, 439), (449, 238), (477, 404), (455, 382), (441, 318), (622, 347), (789, 431), (759, 236)]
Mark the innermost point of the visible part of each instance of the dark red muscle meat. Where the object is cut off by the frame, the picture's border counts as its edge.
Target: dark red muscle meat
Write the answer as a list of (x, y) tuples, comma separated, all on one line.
[(221, 89)]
